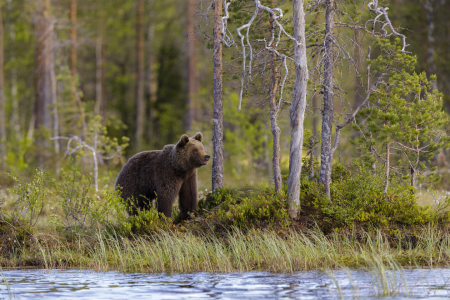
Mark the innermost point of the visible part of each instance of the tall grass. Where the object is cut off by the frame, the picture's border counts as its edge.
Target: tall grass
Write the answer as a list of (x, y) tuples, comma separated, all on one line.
[(5, 281), (287, 251)]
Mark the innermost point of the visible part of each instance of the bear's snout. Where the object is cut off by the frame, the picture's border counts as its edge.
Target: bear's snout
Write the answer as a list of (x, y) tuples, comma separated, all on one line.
[(207, 157)]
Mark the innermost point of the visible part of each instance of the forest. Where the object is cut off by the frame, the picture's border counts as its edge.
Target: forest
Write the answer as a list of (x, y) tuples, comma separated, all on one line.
[(323, 118)]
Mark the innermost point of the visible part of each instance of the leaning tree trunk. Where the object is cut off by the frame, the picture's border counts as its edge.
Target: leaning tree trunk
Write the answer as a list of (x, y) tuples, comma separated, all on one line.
[(192, 75), (217, 164), (140, 103), (297, 110), (273, 119), (2, 99), (328, 102)]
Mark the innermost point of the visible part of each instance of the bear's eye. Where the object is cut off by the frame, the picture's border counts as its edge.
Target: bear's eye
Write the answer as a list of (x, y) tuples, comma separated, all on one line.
[(195, 150)]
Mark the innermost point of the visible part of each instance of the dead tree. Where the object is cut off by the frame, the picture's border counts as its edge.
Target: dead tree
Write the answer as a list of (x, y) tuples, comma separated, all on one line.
[(326, 157), (217, 165), (273, 116), (298, 106), (297, 109)]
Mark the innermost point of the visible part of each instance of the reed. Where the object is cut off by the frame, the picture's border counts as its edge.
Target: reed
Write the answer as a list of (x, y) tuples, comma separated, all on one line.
[(8, 286), (287, 251)]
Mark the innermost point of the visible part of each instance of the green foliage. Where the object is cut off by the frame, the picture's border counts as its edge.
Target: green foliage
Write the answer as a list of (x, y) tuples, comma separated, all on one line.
[(30, 202), (244, 133), (74, 201), (145, 222), (246, 207), (359, 198), (404, 116)]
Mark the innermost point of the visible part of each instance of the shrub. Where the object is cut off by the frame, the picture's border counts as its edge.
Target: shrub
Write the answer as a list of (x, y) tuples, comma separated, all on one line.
[(145, 222), (246, 207), (361, 198)]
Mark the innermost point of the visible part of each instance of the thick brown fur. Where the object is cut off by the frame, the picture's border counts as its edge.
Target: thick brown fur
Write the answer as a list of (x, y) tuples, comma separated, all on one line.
[(163, 175)]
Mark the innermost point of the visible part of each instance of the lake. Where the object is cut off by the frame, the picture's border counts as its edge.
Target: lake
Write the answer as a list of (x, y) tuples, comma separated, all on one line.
[(340, 284)]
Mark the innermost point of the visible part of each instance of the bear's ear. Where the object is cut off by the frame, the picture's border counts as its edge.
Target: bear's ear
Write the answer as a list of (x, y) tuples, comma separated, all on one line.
[(183, 141), (198, 136)]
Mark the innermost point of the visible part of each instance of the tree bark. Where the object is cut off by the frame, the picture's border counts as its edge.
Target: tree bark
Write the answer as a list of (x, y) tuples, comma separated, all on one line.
[(2, 99), (217, 164), (192, 68), (328, 102), (273, 118), (140, 103), (297, 110), (43, 85), (73, 37)]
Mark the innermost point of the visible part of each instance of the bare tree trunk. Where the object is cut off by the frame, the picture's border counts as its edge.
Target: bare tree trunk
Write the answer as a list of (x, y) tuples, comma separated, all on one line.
[(73, 37), (152, 82), (273, 118), (328, 102), (192, 68), (2, 99), (43, 85), (140, 103), (388, 156), (217, 165), (297, 110), (99, 105)]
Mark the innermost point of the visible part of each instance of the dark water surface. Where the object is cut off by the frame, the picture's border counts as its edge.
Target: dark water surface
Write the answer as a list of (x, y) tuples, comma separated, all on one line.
[(341, 284)]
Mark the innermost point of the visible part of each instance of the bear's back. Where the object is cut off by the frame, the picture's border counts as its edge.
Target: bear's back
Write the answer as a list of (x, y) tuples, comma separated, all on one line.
[(140, 167)]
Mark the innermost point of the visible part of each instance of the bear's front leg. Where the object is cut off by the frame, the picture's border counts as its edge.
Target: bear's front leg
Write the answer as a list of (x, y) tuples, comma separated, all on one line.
[(165, 197), (188, 196)]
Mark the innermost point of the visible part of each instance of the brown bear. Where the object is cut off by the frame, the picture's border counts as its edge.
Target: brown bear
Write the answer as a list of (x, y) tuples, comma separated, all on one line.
[(163, 175)]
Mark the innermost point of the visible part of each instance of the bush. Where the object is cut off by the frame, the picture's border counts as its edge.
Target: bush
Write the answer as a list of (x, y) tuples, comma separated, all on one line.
[(246, 207), (361, 198), (145, 222)]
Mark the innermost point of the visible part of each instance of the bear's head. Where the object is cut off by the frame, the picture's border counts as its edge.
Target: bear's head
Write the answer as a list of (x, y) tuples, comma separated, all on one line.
[(190, 151)]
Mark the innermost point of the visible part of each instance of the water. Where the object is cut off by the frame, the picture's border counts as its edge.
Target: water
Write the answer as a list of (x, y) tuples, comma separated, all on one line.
[(341, 284)]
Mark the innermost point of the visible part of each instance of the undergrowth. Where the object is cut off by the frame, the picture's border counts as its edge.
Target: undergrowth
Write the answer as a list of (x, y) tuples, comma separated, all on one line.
[(60, 221)]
